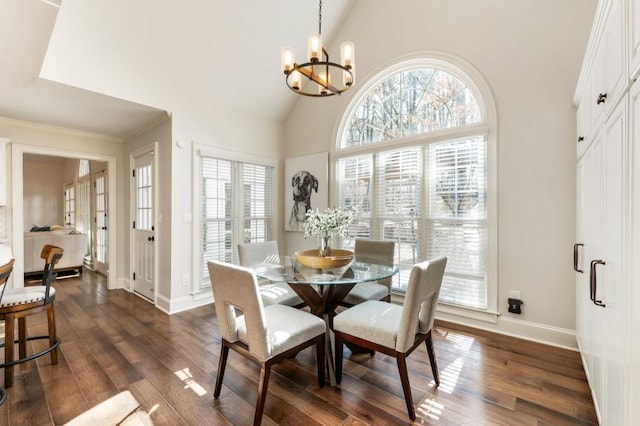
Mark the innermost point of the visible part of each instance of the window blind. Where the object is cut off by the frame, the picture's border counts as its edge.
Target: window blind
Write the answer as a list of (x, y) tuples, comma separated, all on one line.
[(236, 206), (457, 218), (399, 182), (355, 189)]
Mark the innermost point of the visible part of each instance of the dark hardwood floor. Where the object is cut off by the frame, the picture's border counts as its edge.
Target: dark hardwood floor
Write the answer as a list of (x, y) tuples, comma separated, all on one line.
[(113, 340)]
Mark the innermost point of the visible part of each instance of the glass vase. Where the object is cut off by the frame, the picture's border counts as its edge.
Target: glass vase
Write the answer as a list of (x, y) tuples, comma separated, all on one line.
[(324, 245)]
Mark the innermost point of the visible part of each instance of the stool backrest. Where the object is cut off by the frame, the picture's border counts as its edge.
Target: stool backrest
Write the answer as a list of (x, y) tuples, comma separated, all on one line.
[(51, 255)]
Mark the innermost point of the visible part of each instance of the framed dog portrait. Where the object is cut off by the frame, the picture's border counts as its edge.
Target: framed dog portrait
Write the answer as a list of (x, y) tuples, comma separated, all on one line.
[(306, 183)]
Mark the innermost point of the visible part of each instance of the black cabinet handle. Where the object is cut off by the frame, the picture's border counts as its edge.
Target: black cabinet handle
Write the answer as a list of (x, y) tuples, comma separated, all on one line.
[(601, 98), (580, 138), (151, 239), (593, 283), (575, 257)]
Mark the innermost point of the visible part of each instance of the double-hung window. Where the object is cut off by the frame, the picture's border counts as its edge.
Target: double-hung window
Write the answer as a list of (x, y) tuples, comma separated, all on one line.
[(413, 154), (235, 206)]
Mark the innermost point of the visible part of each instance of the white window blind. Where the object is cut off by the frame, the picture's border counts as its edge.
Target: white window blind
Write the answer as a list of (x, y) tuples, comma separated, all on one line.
[(236, 205), (399, 186), (355, 189), (457, 218)]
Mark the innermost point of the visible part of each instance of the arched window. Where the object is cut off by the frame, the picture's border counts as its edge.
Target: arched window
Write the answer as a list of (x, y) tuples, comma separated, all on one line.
[(413, 152)]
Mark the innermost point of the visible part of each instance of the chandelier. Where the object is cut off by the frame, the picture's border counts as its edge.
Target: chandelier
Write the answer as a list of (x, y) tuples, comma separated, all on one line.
[(320, 72)]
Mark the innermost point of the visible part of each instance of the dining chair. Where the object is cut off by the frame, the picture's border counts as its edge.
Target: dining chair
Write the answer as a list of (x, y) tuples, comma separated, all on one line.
[(18, 304), (395, 330), (264, 334), (266, 253), (377, 251)]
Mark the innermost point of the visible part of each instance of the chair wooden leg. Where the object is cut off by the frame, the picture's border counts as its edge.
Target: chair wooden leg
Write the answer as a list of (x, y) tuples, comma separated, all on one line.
[(406, 387), (22, 337), (320, 350), (339, 356), (265, 372), (8, 349), (51, 320), (432, 358), (222, 363)]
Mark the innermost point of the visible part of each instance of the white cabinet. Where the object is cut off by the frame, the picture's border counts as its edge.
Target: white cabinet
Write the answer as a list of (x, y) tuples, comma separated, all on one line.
[(600, 289), (608, 215), (634, 38), (633, 371)]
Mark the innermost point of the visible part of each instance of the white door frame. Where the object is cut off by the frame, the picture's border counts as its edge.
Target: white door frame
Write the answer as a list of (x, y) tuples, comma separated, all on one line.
[(17, 219), (132, 214)]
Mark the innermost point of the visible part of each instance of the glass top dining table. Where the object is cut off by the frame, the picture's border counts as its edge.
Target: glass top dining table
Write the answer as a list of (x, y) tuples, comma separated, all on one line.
[(323, 289)]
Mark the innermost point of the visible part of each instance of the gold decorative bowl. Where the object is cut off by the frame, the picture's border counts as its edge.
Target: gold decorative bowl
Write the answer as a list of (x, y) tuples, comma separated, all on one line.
[(312, 259)]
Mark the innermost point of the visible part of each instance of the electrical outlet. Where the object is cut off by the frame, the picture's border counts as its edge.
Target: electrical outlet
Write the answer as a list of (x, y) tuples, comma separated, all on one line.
[(185, 280), (514, 294)]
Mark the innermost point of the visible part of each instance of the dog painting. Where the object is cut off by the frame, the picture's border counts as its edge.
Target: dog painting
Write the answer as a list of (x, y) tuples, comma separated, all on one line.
[(304, 183)]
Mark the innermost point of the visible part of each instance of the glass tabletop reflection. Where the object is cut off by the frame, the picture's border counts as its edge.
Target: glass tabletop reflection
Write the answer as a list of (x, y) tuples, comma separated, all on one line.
[(294, 272)]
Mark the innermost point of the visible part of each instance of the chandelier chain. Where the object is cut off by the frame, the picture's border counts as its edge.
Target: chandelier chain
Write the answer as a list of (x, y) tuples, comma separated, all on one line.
[(320, 18)]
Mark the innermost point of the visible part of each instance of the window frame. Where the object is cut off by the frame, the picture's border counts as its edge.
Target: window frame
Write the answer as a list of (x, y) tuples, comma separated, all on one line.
[(199, 289), (486, 127)]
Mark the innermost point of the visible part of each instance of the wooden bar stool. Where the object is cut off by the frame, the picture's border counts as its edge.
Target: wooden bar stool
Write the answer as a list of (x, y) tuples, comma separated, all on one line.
[(18, 304)]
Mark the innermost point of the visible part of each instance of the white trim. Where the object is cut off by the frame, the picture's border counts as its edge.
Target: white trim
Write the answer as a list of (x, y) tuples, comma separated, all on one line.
[(186, 303), (535, 332), (17, 186), (223, 154)]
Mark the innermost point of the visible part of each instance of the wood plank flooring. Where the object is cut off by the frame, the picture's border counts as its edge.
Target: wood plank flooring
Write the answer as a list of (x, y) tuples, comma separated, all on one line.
[(114, 340)]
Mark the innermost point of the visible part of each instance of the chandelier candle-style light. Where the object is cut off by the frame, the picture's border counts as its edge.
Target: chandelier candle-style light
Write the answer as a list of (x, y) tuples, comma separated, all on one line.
[(320, 72)]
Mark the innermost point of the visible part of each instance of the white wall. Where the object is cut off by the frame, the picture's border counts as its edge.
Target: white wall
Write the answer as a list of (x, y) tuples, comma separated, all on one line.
[(43, 181), (529, 52)]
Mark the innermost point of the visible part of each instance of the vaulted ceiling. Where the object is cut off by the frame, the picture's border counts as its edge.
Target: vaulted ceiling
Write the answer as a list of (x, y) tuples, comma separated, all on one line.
[(80, 65)]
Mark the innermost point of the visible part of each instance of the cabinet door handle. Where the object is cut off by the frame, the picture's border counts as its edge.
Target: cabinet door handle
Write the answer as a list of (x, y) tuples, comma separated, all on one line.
[(593, 283), (575, 257), (580, 138), (601, 98)]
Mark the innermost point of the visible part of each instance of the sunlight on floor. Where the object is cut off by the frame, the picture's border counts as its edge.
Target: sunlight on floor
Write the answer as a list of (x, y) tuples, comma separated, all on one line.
[(430, 408), (185, 376)]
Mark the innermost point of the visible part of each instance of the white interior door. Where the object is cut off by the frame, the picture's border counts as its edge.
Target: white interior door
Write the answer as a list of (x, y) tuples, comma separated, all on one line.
[(101, 240), (143, 226)]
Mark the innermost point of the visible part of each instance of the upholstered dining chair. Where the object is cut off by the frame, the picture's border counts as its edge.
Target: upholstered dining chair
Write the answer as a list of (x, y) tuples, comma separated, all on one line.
[(263, 334), (267, 253), (18, 304), (378, 251), (396, 330)]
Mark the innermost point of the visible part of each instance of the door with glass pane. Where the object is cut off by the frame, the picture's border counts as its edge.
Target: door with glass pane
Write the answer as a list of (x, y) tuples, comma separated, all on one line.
[(143, 226), (100, 240)]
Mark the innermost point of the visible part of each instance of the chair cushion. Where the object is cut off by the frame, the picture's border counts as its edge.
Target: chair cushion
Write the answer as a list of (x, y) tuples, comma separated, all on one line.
[(362, 292), (373, 320), (279, 293), (24, 295), (287, 327)]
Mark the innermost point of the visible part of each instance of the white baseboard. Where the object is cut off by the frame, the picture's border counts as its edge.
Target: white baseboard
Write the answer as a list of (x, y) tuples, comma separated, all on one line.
[(184, 303), (122, 283), (536, 332)]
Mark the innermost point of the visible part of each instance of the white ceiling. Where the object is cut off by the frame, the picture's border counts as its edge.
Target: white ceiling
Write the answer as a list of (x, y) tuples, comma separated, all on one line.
[(225, 50)]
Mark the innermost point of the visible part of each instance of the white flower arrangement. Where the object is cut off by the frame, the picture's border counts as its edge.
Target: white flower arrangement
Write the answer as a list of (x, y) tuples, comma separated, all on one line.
[(331, 221)]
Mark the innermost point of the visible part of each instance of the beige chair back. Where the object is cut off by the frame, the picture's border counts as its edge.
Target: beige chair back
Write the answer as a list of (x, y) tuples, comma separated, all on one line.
[(376, 251), (236, 288), (254, 253), (419, 309)]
